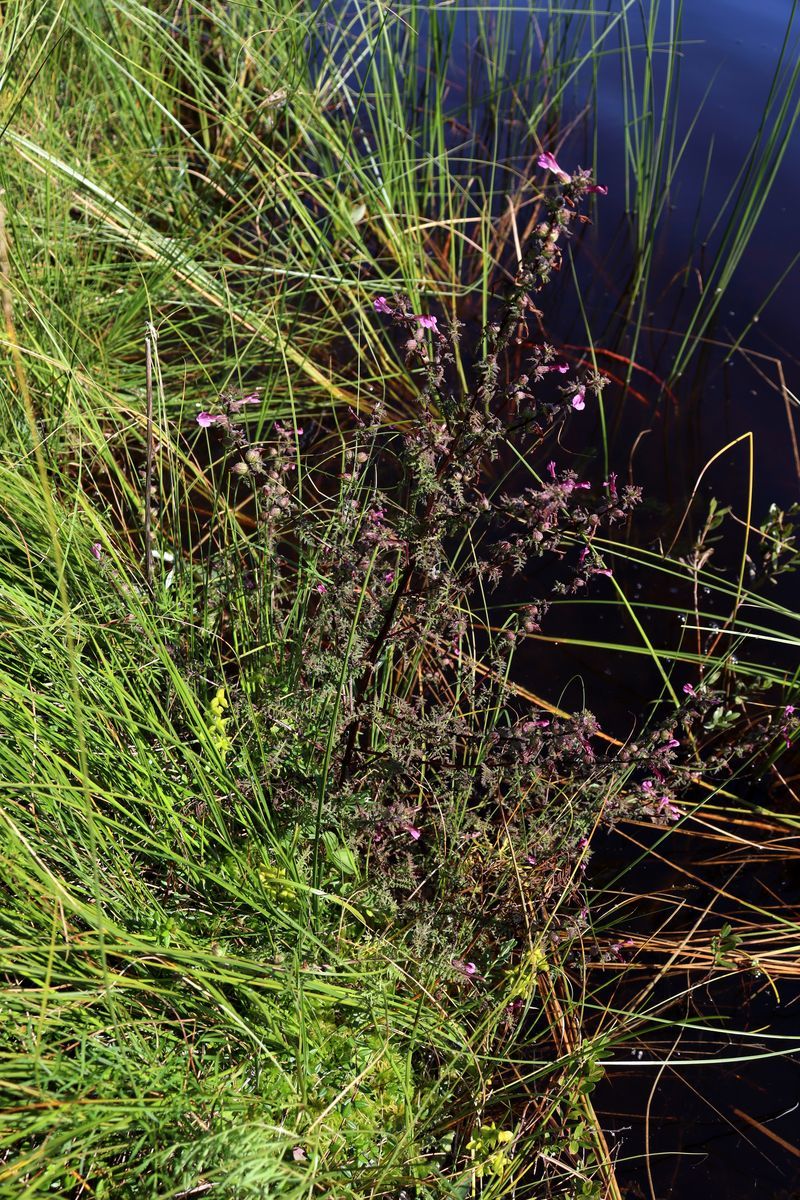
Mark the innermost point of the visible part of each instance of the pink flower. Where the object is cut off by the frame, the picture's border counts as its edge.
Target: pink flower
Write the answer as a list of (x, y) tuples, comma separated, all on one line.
[(413, 833), (668, 810), (598, 189), (648, 785), (96, 550), (426, 321), (381, 305), (204, 419), (298, 1154), (548, 163), (573, 485), (389, 577), (465, 968), (689, 690), (579, 399), (320, 587), (253, 398), (561, 367)]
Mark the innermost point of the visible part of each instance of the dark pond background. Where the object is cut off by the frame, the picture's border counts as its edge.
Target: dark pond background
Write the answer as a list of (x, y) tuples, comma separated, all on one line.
[(698, 1144)]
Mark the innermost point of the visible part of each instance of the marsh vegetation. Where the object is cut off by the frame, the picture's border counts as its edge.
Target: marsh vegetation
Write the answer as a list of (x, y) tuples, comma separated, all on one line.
[(396, 752)]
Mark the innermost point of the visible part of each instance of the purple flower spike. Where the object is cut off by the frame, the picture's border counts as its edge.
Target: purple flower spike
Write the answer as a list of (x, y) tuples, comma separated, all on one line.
[(427, 322), (204, 419), (382, 305), (548, 163), (96, 551), (579, 399), (598, 189)]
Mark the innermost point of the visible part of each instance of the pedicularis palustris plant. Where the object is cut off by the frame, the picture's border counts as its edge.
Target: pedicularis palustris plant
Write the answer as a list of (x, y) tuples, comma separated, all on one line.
[(398, 723)]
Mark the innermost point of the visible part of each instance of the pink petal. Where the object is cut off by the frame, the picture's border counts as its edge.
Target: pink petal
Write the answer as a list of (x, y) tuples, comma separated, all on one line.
[(579, 399), (204, 419), (548, 163), (413, 833), (426, 321), (381, 305), (466, 968), (96, 550), (598, 188)]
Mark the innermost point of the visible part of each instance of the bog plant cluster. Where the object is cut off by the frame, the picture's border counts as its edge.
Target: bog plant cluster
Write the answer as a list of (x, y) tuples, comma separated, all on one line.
[(315, 867), (294, 888)]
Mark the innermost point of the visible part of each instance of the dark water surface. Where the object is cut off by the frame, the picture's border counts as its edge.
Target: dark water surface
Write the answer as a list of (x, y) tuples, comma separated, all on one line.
[(700, 1143), (698, 1137)]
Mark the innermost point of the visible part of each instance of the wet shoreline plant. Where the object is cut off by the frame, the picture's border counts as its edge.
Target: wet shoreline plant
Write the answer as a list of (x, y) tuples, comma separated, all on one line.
[(294, 866)]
